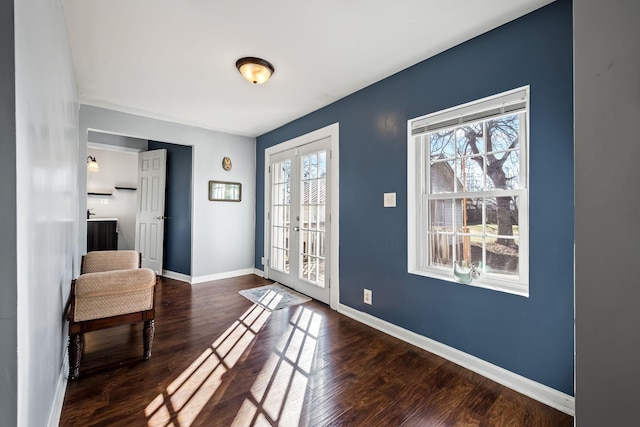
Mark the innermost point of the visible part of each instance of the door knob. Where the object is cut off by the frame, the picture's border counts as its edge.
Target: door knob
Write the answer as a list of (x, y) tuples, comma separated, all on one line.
[(160, 217), (296, 228)]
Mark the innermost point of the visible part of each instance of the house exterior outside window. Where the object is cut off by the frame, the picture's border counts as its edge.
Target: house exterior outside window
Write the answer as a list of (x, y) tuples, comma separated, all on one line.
[(468, 193)]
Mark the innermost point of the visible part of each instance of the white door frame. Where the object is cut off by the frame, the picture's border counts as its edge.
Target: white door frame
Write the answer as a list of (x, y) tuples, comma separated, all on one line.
[(332, 132)]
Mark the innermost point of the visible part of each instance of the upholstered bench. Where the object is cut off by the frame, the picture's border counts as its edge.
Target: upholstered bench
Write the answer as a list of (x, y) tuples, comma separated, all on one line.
[(105, 299)]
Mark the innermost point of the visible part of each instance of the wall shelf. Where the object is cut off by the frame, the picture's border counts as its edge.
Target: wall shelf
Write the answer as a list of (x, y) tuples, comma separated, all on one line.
[(95, 193), (125, 188)]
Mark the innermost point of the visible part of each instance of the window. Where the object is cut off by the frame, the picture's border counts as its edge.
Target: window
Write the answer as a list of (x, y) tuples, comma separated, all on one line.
[(468, 197)]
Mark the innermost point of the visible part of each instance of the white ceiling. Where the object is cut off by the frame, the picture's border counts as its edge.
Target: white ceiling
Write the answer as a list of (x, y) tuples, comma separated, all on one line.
[(175, 59)]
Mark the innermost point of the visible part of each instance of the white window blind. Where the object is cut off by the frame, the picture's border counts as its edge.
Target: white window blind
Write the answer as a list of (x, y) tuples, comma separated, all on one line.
[(507, 103)]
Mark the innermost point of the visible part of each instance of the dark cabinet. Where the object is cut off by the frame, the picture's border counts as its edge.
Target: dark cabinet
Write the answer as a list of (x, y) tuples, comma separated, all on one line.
[(102, 235)]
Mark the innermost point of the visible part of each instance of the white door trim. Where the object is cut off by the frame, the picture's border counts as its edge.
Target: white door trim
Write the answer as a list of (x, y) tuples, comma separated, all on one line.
[(332, 132)]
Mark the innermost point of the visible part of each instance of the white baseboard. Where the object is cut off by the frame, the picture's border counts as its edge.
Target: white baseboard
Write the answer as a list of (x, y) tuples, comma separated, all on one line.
[(219, 276), (194, 280), (176, 276), (61, 388), (540, 392)]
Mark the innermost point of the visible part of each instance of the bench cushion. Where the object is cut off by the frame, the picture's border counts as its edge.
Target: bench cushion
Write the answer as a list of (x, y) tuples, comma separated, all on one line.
[(112, 293)]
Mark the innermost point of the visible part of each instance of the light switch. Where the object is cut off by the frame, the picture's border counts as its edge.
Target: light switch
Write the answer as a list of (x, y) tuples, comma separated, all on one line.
[(389, 200), (104, 201)]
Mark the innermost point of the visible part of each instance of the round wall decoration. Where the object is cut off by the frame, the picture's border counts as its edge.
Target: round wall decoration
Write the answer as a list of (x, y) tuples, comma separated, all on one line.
[(226, 163)]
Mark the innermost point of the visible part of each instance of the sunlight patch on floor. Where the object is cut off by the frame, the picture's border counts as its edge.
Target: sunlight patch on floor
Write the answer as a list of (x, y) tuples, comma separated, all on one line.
[(270, 299), (278, 393), (185, 397)]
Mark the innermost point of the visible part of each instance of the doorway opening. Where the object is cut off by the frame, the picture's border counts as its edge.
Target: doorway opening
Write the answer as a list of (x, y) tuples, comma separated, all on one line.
[(117, 176)]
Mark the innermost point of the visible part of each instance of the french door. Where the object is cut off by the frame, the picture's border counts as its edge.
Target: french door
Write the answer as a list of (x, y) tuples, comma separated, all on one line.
[(299, 218)]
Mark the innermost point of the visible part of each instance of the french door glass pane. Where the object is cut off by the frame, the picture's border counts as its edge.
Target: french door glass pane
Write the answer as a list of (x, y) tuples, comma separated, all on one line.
[(280, 215), (321, 218), (312, 216)]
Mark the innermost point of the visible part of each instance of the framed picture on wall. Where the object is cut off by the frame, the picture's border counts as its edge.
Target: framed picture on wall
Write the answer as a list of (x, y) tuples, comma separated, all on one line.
[(223, 191)]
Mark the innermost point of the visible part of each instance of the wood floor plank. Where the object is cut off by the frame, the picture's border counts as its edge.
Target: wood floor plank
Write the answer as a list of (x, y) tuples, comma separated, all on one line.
[(219, 360)]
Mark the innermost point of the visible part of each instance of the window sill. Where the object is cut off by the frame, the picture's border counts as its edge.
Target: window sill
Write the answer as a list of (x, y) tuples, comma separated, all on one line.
[(520, 289)]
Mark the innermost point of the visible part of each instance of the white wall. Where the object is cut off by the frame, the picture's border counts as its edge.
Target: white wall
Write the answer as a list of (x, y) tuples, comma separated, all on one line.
[(8, 218), (46, 204), (112, 142), (116, 168), (223, 233), (607, 211)]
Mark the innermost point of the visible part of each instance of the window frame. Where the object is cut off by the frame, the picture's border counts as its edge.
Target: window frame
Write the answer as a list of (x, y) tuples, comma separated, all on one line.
[(419, 194)]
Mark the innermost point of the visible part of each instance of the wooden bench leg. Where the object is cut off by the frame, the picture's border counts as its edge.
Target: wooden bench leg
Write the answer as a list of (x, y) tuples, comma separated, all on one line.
[(148, 331), (75, 353)]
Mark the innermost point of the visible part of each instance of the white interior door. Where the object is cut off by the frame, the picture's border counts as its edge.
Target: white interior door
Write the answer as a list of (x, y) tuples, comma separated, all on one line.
[(299, 227), (152, 172)]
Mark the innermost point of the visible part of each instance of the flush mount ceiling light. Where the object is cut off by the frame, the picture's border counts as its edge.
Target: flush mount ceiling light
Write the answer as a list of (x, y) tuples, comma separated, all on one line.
[(92, 165), (255, 70)]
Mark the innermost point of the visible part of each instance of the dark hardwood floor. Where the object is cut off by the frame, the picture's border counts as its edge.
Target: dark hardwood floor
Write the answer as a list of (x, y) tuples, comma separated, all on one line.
[(219, 360)]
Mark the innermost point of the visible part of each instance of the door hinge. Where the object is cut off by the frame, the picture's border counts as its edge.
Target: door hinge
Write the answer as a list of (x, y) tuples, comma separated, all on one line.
[(328, 283), (330, 154), (268, 216), (269, 168)]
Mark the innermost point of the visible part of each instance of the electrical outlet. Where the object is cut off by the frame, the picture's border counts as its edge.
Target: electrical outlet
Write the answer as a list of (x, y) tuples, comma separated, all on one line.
[(368, 296)]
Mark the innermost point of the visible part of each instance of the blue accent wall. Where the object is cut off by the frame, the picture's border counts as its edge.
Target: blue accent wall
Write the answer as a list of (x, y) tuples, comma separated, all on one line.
[(177, 231), (531, 336)]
